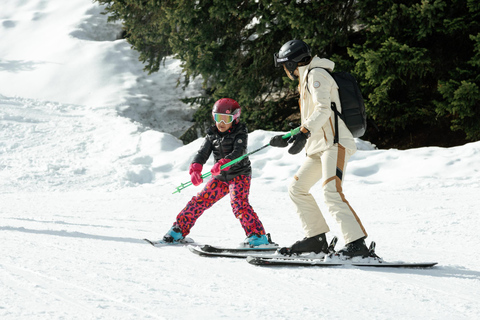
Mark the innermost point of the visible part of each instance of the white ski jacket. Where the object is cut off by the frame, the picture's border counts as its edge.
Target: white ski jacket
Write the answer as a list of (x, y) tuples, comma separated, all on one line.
[(315, 105)]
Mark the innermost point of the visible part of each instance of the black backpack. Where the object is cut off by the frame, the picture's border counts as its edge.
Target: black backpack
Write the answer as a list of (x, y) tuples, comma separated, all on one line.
[(353, 108)]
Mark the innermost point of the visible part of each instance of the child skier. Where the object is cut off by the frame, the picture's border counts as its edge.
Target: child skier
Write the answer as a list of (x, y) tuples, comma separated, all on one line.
[(227, 139)]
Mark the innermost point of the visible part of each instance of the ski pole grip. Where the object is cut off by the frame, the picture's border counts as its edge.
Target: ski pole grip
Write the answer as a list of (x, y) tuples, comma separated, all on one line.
[(291, 133)]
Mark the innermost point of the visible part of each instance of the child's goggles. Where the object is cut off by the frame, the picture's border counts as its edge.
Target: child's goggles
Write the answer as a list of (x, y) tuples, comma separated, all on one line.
[(222, 117)]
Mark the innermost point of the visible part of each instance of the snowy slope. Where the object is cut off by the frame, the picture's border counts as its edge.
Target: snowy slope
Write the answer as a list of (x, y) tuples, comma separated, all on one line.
[(65, 51), (81, 185)]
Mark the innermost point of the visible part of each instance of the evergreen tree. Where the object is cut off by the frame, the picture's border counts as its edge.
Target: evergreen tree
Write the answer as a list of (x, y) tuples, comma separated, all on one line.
[(419, 65), (417, 61), (230, 44)]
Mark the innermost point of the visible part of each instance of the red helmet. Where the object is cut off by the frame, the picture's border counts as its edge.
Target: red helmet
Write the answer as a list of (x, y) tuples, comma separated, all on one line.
[(226, 106)]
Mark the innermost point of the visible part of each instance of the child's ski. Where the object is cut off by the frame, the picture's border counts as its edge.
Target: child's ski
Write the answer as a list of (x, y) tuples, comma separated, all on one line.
[(161, 243), (269, 250), (238, 252)]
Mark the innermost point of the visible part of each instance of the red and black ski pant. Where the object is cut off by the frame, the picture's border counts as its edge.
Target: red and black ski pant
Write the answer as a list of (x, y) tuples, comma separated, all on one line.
[(214, 190)]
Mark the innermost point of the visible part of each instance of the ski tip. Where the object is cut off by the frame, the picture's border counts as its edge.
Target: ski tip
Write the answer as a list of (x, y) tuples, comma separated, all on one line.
[(149, 241), (199, 251), (209, 248), (426, 265), (255, 260), (192, 248), (411, 265)]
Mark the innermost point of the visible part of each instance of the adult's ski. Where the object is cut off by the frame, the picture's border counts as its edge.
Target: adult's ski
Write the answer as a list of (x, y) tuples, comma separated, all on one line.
[(303, 262), (333, 261)]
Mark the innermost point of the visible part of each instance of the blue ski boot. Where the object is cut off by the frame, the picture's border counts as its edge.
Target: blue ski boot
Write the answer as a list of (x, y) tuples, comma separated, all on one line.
[(173, 235), (256, 240)]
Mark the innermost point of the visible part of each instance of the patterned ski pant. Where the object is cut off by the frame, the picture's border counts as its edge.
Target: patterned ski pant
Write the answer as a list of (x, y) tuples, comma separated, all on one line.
[(214, 190)]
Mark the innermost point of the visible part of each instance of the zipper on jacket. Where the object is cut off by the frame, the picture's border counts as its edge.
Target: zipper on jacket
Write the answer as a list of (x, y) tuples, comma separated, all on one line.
[(222, 155)]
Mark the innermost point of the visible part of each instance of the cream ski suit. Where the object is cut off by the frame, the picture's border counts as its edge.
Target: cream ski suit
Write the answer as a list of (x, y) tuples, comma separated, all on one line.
[(325, 159)]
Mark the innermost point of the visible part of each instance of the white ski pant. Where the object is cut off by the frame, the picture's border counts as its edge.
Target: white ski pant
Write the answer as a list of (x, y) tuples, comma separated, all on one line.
[(329, 165)]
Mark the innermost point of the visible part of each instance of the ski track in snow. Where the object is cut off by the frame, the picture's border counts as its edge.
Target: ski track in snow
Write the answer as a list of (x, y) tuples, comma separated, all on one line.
[(72, 248), (81, 254)]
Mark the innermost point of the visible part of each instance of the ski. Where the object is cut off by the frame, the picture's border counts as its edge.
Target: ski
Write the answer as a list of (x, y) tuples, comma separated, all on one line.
[(217, 249), (237, 252), (332, 261), (289, 261), (305, 262), (268, 255), (161, 243), (267, 251)]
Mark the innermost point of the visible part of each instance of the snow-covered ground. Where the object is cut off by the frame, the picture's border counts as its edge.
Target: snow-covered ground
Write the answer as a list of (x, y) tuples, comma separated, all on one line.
[(81, 185), (65, 51)]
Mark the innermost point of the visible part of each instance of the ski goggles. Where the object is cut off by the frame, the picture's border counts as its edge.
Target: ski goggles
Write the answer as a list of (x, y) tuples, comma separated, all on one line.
[(222, 117), (278, 61)]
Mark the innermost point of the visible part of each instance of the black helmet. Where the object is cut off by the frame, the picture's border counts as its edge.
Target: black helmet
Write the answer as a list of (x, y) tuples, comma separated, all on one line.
[(291, 53)]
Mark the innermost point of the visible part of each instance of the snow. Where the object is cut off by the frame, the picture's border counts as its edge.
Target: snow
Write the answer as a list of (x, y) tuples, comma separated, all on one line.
[(81, 184)]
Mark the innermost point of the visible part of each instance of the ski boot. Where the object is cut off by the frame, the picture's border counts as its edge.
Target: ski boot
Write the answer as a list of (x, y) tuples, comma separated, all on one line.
[(316, 244), (356, 248), (173, 235), (256, 240)]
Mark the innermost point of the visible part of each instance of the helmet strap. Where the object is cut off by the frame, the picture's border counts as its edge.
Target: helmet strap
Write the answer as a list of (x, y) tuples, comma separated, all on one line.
[(291, 66)]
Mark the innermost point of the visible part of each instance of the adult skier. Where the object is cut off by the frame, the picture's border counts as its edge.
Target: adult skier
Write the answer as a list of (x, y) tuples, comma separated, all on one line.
[(325, 159)]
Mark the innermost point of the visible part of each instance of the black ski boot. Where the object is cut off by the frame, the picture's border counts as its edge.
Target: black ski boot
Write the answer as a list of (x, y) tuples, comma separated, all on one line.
[(316, 244), (356, 248)]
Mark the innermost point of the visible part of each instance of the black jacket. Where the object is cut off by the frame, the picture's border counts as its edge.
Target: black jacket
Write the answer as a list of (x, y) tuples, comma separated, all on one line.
[(229, 145)]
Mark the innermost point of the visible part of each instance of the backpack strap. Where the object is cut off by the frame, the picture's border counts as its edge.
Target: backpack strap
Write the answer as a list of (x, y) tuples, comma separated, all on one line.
[(334, 108), (333, 105)]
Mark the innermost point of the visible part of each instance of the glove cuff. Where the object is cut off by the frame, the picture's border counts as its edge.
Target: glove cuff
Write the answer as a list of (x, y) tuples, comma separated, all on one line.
[(195, 167), (224, 161), (307, 134)]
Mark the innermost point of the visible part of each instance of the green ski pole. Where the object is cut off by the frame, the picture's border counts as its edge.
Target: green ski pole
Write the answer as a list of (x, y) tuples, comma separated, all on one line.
[(208, 174)]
